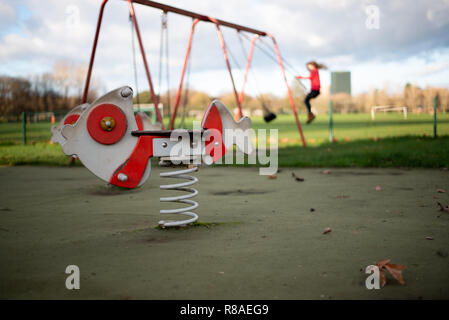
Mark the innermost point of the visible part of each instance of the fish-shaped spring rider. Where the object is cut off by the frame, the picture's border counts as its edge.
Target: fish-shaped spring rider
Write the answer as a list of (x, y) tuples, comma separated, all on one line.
[(117, 146), (142, 119), (70, 118)]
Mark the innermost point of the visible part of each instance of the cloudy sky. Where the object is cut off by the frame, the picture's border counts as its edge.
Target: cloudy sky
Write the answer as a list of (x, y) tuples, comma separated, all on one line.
[(409, 42)]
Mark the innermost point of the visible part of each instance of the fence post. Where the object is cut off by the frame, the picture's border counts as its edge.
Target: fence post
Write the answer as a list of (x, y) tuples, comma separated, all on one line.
[(331, 123), (24, 127), (435, 117)]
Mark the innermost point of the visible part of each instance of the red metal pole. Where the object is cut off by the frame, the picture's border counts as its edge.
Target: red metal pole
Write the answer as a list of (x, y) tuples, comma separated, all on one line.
[(92, 55), (248, 65), (186, 59), (195, 15), (290, 95), (228, 65), (147, 69)]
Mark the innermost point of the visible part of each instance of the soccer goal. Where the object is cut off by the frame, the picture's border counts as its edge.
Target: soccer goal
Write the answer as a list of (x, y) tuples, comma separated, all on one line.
[(388, 109)]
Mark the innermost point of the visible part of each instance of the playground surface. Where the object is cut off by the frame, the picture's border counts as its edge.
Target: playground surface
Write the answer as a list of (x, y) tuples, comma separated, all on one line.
[(259, 238)]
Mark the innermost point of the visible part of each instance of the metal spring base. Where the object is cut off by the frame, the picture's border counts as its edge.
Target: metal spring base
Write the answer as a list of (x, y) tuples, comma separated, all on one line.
[(183, 186)]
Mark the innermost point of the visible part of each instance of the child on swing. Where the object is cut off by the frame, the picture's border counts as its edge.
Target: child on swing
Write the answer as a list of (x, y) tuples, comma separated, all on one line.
[(314, 78)]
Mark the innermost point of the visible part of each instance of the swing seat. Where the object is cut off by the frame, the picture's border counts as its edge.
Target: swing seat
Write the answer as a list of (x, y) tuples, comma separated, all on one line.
[(269, 117)]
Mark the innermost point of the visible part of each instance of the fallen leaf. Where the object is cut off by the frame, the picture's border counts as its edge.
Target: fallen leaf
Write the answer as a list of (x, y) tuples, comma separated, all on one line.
[(382, 263), (272, 177), (326, 172), (382, 279), (443, 208), (378, 188), (327, 230), (441, 190), (394, 269), (297, 178), (442, 253)]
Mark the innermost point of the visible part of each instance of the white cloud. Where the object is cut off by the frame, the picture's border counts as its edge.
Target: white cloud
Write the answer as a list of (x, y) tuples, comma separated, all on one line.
[(315, 41), (330, 31), (432, 68), (7, 14)]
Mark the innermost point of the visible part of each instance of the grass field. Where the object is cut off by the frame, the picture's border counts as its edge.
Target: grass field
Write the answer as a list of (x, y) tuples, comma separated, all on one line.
[(389, 141)]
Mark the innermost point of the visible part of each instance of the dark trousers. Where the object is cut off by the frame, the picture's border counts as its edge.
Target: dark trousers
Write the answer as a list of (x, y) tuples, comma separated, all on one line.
[(312, 94)]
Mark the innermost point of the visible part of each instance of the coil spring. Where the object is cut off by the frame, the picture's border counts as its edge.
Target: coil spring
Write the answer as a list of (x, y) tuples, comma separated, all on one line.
[(183, 186)]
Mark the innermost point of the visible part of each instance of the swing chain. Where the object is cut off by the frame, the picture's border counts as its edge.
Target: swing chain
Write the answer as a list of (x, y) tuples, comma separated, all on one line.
[(164, 20), (259, 95), (134, 61), (163, 50)]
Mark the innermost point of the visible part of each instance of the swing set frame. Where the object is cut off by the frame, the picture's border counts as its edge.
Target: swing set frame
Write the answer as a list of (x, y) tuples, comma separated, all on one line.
[(196, 19)]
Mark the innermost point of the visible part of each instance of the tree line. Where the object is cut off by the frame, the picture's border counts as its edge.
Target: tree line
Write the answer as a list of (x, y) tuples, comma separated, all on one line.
[(416, 99), (61, 89)]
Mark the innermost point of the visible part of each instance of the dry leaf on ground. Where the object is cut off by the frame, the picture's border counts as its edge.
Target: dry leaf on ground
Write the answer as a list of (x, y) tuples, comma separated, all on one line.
[(394, 269), (443, 208), (297, 178)]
